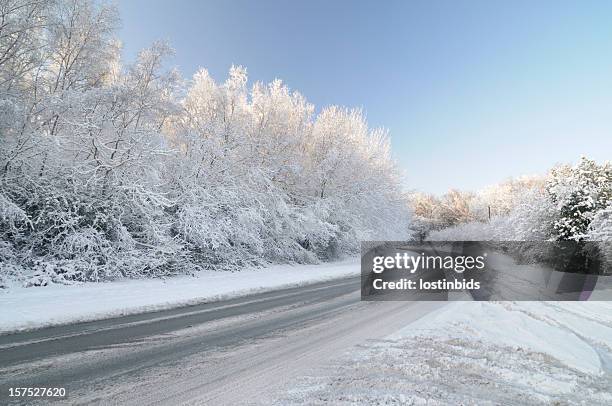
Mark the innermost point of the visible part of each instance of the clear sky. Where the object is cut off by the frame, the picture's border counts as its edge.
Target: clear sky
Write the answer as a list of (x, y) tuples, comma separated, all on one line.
[(472, 92)]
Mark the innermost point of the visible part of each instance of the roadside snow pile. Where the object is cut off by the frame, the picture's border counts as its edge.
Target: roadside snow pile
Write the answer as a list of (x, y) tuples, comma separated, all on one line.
[(573, 333), (480, 353), (26, 308)]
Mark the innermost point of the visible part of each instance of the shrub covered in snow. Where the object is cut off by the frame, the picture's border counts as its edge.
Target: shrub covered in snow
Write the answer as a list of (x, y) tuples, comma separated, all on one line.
[(530, 220), (579, 193), (457, 207), (600, 230), (575, 205), (110, 171)]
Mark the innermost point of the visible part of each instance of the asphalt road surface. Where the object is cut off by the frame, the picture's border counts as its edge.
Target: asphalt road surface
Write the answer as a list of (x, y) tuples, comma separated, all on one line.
[(241, 351)]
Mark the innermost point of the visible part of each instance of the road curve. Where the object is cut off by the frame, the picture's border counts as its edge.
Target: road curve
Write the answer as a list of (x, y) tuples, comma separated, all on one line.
[(240, 351)]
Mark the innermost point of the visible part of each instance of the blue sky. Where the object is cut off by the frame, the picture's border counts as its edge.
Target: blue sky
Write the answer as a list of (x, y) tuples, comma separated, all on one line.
[(472, 92)]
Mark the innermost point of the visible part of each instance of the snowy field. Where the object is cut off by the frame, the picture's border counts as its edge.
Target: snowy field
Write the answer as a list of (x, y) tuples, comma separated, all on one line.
[(477, 353), (28, 308)]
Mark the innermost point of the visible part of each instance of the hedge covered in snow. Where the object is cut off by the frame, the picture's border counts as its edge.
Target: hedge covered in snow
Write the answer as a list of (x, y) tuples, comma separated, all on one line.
[(110, 171)]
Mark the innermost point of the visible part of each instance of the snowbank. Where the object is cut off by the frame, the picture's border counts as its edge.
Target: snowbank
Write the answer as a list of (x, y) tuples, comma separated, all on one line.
[(579, 334), (28, 308), (478, 353)]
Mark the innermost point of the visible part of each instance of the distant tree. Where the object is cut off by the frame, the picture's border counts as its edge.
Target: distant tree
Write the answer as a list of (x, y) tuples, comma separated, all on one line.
[(455, 207), (500, 199)]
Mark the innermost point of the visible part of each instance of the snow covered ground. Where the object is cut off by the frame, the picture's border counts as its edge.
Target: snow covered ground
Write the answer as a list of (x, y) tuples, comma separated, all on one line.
[(28, 308), (478, 353)]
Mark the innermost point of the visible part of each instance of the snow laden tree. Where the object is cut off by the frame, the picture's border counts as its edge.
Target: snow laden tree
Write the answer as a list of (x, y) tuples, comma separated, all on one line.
[(110, 170), (571, 203), (458, 207), (452, 208), (262, 176), (600, 230), (502, 198), (579, 193)]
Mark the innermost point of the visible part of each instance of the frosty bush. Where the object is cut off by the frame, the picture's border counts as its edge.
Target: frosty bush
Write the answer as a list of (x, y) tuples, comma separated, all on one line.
[(111, 171), (457, 207), (575, 205), (579, 193), (531, 219), (600, 230)]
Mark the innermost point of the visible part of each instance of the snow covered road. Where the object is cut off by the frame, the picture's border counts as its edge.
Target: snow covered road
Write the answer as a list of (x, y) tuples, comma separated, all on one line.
[(244, 350), (313, 344), (32, 308)]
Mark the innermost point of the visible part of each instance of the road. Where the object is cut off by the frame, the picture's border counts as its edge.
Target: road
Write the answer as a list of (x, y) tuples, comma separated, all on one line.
[(242, 351)]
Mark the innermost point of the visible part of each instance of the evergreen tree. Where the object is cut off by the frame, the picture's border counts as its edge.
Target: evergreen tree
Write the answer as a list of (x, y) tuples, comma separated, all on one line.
[(579, 192)]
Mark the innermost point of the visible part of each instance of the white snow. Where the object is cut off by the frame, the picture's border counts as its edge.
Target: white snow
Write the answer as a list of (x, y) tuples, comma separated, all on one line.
[(28, 308), (478, 353), (574, 333)]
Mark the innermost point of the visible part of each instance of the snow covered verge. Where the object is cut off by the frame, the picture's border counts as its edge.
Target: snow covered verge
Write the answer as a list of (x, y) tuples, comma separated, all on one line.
[(28, 308), (478, 353)]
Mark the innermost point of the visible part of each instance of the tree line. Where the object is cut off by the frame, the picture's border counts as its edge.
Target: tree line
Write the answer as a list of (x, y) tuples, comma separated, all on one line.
[(114, 170)]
